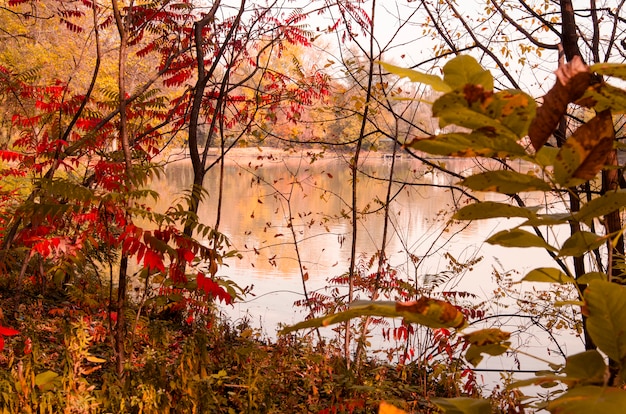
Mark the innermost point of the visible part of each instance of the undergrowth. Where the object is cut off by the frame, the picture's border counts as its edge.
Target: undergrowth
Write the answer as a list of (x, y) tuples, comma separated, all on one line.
[(62, 362)]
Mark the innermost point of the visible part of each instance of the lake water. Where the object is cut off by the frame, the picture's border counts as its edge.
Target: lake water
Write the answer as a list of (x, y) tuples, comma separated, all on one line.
[(262, 191)]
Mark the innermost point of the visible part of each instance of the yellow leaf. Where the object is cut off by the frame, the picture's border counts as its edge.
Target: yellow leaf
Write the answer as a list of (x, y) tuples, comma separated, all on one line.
[(95, 359), (386, 408)]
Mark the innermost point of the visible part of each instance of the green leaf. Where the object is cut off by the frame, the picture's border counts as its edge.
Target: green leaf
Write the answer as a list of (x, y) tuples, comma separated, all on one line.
[(473, 355), (46, 380), (490, 341), (548, 274), (589, 399), (518, 238), (544, 381), (586, 367), (617, 70), (588, 277), (512, 108), (604, 96), (474, 144), (606, 318), (462, 405), (506, 113), (425, 311), (505, 182), (580, 243), (492, 209), (463, 70), (546, 156), (454, 109), (433, 81), (548, 220), (487, 336), (601, 206)]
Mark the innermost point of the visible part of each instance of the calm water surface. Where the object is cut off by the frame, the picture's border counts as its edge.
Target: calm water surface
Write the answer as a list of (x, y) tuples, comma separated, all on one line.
[(261, 194)]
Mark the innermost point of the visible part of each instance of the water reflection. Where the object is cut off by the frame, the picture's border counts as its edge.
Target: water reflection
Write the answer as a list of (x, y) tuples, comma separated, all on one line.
[(264, 199), (260, 196)]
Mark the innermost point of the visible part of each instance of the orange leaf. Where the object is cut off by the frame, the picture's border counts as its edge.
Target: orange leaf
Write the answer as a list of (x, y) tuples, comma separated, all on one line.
[(596, 141), (386, 408)]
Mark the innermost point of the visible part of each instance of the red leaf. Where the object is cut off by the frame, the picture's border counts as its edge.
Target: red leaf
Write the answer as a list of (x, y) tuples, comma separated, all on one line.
[(187, 254), (4, 331), (200, 281), (10, 156), (152, 261), (211, 288)]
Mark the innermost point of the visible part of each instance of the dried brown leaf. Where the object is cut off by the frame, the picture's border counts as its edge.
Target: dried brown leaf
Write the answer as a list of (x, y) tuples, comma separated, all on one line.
[(573, 78)]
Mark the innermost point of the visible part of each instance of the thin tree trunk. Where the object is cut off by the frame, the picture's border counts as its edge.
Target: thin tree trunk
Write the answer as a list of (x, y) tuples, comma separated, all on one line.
[(120, 326), (354, 171)]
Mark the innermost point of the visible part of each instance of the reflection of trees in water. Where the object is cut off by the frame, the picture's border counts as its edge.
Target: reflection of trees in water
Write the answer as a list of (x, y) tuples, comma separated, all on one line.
[(255, 209)]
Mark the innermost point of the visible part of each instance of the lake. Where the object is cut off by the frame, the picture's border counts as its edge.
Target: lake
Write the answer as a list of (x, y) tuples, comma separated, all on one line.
[(263, 189)]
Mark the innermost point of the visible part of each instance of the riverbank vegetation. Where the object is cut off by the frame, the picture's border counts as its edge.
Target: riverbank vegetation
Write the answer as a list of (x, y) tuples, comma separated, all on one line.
[(109, 304)]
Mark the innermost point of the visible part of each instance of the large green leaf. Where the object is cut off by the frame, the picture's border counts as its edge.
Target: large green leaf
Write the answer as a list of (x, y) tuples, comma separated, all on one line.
[(433, 81), (505, 182), (606, 317), (454, 109), (548, 274), (580, 243), (589, 399), (492, 209), (586, 367), (474, 144), (601, 206), (462, 405), (506, 113), (463, 70), (518, 238), (512, 108), (425, 311)]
